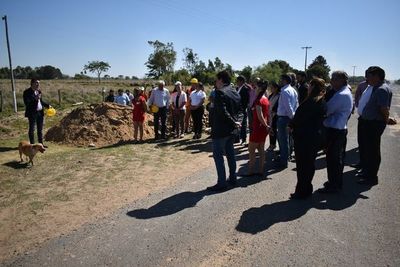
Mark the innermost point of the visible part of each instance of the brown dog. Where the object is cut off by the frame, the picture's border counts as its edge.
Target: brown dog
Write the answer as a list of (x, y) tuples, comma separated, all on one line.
[(29, 150)]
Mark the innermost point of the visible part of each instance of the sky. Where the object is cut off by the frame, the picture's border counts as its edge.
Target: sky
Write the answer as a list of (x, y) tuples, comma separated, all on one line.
[(68, 34)]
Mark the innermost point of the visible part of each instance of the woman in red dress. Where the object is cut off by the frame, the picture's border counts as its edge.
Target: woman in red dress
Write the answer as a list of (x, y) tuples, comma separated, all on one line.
[(260, 129), (138, 113)]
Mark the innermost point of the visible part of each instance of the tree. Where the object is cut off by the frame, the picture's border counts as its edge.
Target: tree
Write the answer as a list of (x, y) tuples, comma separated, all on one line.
[(319, 68), (162, 60), (190, 60), (219, 66), (97, 67), (210, 67), (273, 70), (48, 72), (246, 72)]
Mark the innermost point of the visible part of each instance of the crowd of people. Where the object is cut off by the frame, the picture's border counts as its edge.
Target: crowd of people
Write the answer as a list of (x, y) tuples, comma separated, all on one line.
[(302, 117)]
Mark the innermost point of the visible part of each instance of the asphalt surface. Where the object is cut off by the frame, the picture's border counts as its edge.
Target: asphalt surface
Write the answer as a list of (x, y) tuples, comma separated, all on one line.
[(254, 224)]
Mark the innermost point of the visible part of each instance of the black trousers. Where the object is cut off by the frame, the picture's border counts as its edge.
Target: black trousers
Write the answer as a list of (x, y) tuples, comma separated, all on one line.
[(197, 116), (306, 150), (36, 120), (243, 128), (272, 137), (335, 153), (369, 143), (160, 115)]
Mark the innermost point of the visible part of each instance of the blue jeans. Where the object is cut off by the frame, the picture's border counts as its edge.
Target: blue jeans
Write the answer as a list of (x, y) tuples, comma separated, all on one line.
[(35, 120), (221, 145), (283, 139)]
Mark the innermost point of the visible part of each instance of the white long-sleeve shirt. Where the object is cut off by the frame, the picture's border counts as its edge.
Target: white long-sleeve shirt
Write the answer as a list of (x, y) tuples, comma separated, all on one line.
[(288, 102)]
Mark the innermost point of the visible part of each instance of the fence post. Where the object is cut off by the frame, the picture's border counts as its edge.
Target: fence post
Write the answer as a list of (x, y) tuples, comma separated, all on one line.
[(59, 97), (1, 100)]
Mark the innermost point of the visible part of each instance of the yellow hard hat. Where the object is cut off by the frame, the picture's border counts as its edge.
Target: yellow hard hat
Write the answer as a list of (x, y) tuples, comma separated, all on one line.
[(50, 112), (194, 80), (153, 108)]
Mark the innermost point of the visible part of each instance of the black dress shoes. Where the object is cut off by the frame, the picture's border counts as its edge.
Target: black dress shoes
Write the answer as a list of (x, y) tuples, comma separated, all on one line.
[(365, 181), (217, 188)]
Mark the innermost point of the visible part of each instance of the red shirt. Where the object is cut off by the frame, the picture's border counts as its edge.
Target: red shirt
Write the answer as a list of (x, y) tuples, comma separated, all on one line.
[(138, 110)]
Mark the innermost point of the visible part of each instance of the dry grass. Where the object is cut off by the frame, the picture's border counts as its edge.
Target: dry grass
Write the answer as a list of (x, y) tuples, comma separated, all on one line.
[(70, 186)]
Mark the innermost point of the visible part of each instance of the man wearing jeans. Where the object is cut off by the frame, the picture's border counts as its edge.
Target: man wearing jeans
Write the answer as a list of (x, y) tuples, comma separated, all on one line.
[(34, 110), (160, 97), (224, 124), (287, 105)]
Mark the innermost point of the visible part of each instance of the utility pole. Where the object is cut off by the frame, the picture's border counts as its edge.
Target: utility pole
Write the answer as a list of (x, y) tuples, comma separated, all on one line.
[(305, 62), (11, 69), (354, 76)]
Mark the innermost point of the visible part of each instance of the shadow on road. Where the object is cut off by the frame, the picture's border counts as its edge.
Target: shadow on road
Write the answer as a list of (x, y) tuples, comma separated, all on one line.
[(185, 200), (259, 219), (170, 205)]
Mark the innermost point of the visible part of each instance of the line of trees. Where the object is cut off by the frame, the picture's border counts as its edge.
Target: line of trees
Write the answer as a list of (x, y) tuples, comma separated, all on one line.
[(161, 62), (160, 65), (44, 73)]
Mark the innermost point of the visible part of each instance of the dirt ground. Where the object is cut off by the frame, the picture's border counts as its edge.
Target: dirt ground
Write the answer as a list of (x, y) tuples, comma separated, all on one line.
[(70, 186)]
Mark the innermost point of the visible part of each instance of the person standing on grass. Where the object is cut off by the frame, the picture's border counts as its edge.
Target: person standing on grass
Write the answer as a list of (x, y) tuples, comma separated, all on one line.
[(110, 97), (122, 98), (223, 130), (193, 85), (160, 97), (261, 128), (178, 105), (34, 110), (138, 113), (306, 128), (197, 98)]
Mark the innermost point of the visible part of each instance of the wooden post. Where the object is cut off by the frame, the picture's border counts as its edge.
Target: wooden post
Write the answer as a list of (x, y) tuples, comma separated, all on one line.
[(59, 97), (1, 101)]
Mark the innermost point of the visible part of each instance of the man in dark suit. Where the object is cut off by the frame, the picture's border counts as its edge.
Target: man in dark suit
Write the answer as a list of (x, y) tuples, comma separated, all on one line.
[(243, 90), (34, 106), (302, 86)]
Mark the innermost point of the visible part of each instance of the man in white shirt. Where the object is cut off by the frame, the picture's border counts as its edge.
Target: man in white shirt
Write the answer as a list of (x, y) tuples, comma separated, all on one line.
[(287, 105), (178, 107), (160, 97), (122, 98), (197, 98)]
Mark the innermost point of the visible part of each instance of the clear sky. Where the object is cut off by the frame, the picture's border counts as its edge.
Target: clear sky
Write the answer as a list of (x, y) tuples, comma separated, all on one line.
[(68, 34)]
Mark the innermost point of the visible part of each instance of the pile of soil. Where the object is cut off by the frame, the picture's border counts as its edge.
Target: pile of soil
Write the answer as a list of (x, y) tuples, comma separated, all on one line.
[(98, 124)]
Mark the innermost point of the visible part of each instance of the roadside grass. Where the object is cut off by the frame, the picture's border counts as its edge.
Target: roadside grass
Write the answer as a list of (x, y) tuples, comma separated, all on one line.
[(67, 185)]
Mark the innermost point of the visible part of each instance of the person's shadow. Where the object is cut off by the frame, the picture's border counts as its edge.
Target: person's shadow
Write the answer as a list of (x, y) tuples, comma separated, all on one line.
[(185, 200), (170, 205), (255, 220)]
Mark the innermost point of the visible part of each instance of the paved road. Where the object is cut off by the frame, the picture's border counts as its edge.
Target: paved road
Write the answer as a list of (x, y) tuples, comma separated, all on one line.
[(252, 225)]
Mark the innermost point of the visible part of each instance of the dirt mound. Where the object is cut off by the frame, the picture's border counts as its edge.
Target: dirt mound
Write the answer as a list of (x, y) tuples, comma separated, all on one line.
[(100, 124)]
